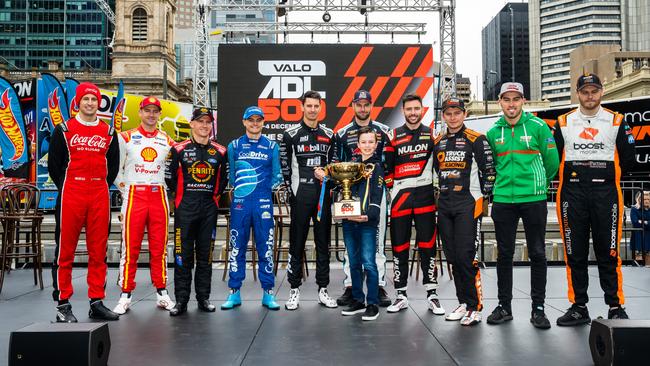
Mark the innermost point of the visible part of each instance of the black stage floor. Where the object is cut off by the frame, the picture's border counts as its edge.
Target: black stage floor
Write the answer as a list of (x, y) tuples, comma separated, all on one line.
[(312, 335)]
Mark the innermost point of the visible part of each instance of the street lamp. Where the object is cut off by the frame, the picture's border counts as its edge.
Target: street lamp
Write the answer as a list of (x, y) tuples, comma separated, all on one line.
[(485, 79), (512, 42)]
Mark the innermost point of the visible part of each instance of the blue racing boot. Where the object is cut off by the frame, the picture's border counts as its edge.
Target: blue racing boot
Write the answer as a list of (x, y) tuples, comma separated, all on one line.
[(268, 300), (234, 300)]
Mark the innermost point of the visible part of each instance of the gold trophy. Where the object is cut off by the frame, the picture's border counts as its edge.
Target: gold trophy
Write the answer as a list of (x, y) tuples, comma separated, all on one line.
[(346, 174)]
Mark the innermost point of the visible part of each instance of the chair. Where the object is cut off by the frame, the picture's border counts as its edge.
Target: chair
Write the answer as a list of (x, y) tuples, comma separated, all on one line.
[(225, 201), (283, 220), (20, 215)]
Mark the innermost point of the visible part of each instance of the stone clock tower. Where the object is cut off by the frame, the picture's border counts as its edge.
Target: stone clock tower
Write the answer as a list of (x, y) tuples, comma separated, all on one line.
[(143, 50)]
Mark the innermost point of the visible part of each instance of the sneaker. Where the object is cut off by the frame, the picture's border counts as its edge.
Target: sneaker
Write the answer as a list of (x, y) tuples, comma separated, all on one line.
[(64, 314), (617, 312), (101, 312), (294, 299), (355, 308), (539, 319), (499, 315), (471, 317), (575, 315), (434, 304), (178, 309), (123, 304), (268, 300), (384, 300), (401, 302), (325, 299), (205, 305), (458, 313), (371, 313), (163, 300), (346, 298), (233, 300)]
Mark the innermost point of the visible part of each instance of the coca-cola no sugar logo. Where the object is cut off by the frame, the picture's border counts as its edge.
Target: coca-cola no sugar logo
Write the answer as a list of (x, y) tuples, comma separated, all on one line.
[(93, 141)]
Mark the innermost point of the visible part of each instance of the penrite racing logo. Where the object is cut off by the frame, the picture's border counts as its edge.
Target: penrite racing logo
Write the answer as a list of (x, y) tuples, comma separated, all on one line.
[(10, 126), (201, 171), (289, 80)]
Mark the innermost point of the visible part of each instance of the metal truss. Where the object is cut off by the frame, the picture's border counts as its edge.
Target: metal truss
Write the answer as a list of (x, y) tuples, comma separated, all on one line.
[(110, 15), (200, 52), (447, 49), (328, 5), (322, 28)]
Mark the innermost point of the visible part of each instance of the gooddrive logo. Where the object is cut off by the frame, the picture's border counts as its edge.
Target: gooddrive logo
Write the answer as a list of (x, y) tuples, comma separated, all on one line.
[(588, 133)]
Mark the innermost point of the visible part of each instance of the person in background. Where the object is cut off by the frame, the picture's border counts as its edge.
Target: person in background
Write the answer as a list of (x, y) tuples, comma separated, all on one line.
[(640, 217)]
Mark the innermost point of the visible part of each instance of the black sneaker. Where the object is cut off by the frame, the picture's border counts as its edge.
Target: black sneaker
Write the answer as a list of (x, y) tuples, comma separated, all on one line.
[(64, 314), (355, 307), (384, 300), (345, 299), (205, 305), (499, 315), (539, 319), (101, 312), (372, 312), (617, 312), (178, 309), (576, 315)]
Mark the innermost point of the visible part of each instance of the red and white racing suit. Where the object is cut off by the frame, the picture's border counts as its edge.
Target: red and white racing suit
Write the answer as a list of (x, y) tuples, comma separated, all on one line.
[(82, 161), (141, 179)]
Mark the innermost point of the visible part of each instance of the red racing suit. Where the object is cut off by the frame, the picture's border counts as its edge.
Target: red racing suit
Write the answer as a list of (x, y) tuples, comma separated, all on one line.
[(141, 179), (82, 161), (409, 172)]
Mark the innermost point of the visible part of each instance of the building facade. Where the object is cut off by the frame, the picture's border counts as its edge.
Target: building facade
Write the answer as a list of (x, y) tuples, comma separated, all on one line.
[(505, 49), (463, 88), (74, 33), (557, 27)]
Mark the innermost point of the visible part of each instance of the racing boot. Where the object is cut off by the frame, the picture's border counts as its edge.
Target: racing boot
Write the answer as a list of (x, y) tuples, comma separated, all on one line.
[(233, 300)]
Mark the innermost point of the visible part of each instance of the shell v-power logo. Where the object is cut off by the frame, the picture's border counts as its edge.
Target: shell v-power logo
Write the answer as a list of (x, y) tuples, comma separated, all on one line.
[(288, 81)]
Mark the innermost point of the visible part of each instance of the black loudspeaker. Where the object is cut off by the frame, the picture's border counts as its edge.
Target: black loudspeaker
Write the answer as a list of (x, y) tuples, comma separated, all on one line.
[(619, 342), (60, 344)]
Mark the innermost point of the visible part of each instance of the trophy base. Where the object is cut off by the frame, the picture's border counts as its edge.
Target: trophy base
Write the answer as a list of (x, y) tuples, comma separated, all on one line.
[(346, 209)]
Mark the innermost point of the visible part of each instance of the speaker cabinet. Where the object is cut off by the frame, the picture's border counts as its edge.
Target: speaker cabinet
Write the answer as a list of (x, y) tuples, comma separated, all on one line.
[(619, 342), (60, 344)]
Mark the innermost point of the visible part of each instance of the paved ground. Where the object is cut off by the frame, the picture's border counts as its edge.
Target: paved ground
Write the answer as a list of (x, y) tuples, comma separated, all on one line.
[(251, 335)]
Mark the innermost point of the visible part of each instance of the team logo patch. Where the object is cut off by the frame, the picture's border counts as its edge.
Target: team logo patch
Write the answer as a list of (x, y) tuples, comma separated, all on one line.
[(588, 133), (212, 151), (149, 154), (201, 171)]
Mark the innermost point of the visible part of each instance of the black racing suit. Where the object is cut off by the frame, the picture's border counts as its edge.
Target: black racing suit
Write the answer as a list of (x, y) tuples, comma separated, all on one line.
[(347, 149), (301, 151), (197, 175), (409, 167), (466, 174), (594, 150)]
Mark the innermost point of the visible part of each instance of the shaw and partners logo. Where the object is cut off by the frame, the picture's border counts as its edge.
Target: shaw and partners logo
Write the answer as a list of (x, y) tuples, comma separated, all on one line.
[(289, 80)]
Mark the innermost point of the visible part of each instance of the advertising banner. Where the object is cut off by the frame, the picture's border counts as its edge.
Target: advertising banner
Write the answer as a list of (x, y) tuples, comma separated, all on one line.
[(275, 77), (13, 133)]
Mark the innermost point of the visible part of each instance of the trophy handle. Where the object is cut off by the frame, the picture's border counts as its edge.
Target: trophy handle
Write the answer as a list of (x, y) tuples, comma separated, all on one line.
[(369, 168)]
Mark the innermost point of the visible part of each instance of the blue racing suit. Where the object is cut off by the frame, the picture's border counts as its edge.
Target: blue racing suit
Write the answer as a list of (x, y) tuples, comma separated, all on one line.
[(254, 172)]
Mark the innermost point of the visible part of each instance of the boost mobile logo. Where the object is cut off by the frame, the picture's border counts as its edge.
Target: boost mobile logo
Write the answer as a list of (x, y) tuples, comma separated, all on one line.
[(289, 80)]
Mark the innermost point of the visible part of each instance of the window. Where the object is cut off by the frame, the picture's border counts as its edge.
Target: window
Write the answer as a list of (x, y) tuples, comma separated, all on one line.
[(139, 21)]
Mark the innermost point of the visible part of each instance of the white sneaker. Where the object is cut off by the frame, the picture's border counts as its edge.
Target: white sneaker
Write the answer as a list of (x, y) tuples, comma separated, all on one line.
[(472, 317), (164, 301), (294, 299), (458, 313), (123, 304), (325, 299), (434, 305), (401, 302)]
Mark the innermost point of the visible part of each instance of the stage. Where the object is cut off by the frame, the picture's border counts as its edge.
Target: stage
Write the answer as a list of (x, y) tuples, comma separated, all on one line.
[(314, 335)]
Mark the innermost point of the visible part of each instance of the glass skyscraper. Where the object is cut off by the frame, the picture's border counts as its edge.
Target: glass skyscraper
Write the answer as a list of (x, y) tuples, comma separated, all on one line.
[(73, 32)]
